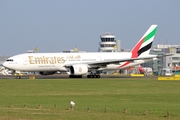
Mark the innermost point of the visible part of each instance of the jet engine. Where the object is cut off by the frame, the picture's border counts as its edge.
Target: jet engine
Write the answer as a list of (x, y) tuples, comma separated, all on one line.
[(47, 72), (78, 69)]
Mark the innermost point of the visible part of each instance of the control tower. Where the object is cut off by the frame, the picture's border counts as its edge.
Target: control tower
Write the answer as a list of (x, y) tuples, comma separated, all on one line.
[(109, 44)]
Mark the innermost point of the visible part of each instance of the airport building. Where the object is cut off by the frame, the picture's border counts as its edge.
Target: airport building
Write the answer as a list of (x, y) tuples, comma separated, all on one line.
[(172, 62), (75, 50), (109, 44)]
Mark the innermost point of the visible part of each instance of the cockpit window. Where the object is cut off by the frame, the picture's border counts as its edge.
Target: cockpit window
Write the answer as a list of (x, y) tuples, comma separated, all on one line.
[(10, 60)]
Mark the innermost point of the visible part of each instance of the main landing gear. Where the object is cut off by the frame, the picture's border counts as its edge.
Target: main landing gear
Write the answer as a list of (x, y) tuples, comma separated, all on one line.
[(93, 76)]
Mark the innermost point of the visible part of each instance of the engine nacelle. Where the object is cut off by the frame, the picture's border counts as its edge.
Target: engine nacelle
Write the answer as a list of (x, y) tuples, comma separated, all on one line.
[(47, 72), (78, 69)]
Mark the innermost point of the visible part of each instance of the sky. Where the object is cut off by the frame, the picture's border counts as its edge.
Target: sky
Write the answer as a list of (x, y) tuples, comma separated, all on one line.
[(57, 25)]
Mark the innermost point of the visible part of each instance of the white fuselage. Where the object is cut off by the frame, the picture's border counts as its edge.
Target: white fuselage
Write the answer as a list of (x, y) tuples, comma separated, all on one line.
[(59, 61)]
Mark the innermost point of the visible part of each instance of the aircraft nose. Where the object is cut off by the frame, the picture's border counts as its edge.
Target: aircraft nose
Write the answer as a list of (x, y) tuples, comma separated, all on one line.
[(7, 65)]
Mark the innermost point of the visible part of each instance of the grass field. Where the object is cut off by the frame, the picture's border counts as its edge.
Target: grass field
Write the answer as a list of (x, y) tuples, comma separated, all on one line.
[(98, 99)]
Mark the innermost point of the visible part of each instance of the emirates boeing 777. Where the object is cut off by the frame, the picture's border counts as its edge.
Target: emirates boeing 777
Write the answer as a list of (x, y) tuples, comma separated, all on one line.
[(79, 64)]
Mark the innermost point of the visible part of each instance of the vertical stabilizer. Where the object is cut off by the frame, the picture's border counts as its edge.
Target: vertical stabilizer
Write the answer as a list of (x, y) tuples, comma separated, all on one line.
[(142, 48)]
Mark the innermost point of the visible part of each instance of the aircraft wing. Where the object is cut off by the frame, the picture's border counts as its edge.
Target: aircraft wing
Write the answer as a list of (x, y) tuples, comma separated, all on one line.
[(120, 60), (168, 54), (106, 62)]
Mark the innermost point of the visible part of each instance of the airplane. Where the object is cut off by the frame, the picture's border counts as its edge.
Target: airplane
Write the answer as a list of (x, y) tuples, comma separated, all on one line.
[(78, 64)]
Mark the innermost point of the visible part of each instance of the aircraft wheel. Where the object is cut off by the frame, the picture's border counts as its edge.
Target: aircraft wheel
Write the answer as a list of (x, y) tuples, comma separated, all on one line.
[(89, 76), (80, 76), (98, 76)]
